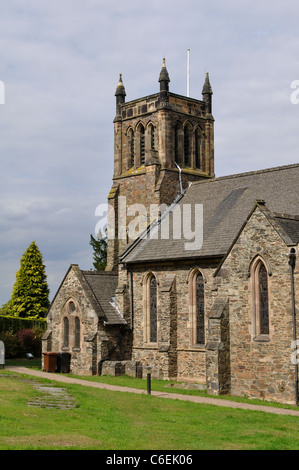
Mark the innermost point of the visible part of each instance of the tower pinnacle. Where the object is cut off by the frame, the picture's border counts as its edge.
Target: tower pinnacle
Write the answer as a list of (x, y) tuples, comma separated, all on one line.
[(120, 94), (164, 82)]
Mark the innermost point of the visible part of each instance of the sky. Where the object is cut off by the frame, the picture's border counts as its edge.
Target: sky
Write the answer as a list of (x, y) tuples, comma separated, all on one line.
[(59, 66)]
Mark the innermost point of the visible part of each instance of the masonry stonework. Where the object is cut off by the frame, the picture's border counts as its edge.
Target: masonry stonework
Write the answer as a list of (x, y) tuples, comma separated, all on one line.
[(220, 314), (260, 367)]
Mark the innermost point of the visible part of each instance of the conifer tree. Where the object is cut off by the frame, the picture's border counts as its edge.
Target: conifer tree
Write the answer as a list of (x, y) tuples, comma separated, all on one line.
[(30, 295), (99, 246)]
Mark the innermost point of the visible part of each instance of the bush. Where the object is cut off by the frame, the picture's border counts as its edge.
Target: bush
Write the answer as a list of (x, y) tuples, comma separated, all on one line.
[(25, 341), (13, 347), (31, 341)]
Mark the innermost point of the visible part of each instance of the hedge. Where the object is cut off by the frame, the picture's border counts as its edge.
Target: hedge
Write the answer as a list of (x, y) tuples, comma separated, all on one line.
[(16, 324)]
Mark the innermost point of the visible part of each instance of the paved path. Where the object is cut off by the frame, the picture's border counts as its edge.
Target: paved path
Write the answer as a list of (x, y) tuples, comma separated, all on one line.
[(173, 396)]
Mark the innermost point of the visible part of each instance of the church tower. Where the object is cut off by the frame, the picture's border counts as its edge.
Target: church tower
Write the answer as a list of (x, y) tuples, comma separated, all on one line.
[(162, 142)]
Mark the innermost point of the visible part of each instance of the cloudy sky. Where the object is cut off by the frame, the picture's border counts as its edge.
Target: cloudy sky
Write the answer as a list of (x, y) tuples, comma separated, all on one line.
[(60, 62)]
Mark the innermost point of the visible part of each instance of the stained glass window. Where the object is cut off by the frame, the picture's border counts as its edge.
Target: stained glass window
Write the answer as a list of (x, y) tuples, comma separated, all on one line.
[(153, 309), (263, 300), (66, 332), (77, 332), (200, 310)]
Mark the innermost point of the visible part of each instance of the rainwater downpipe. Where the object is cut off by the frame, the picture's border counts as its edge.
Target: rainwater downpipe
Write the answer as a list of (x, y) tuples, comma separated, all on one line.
[(180, 176), (131, 298), (292, 263)]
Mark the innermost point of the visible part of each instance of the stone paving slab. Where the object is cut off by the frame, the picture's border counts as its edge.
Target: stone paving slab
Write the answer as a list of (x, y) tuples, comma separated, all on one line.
[(172, 396)]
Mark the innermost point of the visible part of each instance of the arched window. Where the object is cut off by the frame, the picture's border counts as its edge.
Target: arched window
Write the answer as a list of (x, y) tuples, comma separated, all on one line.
[(151, 310), (197, 149), (152, 137), (142, 144), (187, 144), (200, 310), (197, 307), (131, 148), (77, 332), (260, 298), (65, 332), (176, 143), (203, 153), (263, 301)]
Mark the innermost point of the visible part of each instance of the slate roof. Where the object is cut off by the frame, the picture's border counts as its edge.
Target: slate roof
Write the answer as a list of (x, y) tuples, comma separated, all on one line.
[(290, 225), (102, 285), (227, 202)]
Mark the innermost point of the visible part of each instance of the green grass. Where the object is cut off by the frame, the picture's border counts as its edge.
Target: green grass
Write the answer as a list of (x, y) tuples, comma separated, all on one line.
[(106, 420), (156, 385)]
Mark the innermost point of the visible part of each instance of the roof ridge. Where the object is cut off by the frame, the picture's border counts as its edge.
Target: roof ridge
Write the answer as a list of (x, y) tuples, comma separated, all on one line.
[(98, 273), (248, 173)]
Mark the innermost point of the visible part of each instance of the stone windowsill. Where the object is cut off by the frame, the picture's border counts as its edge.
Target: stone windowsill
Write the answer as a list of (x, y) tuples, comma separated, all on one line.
[(262, 339)]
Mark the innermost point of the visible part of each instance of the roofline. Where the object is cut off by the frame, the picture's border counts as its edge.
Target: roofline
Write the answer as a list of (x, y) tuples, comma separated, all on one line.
[(173, 260), (271, 219), (157, 95), (60, 285), (249, 173)]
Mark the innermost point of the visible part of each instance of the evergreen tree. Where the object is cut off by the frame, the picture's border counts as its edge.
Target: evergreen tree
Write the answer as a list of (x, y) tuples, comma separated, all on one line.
[(30, 295), (99, 246), (6, 308)]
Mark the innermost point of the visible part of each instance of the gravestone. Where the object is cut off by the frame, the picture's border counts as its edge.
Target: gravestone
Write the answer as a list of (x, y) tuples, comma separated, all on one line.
[(2, 355)]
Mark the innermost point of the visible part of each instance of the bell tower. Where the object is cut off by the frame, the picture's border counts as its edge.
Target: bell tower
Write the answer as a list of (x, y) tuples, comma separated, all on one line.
[(162, 142)]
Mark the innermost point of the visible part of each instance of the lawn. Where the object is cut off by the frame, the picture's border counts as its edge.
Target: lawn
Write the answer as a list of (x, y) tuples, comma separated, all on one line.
[(104, 420)]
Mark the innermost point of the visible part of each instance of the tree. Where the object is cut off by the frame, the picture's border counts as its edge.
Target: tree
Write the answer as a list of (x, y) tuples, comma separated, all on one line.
[(30, 295), (99, 246), (6, 308)]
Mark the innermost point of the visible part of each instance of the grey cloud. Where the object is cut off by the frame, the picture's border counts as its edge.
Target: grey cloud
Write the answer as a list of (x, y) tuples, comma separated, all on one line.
[(60, 63)]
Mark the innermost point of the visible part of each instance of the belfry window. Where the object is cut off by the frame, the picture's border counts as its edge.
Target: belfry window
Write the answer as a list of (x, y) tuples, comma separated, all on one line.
[(176, 143), (197, 149), (152, 137), (187, 144), (142, 145), (131, 148)]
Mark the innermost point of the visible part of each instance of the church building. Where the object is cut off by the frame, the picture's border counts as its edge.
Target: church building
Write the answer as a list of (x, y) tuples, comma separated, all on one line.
[(201, 282)]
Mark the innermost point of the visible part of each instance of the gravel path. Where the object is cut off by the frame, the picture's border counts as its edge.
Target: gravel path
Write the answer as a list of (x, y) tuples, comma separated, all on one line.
[(173, 396)]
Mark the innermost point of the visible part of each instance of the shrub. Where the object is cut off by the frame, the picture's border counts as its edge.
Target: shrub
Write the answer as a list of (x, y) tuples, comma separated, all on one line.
[(30, 341), (25, 341), (13, 347)]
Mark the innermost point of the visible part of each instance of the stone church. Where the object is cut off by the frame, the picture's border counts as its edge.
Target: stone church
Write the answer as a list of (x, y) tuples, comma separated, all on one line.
[(207, 291)]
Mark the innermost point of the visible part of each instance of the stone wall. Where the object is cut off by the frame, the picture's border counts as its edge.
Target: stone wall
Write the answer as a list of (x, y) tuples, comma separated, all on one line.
[(97, 341), (261, 367), (173, 356)]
